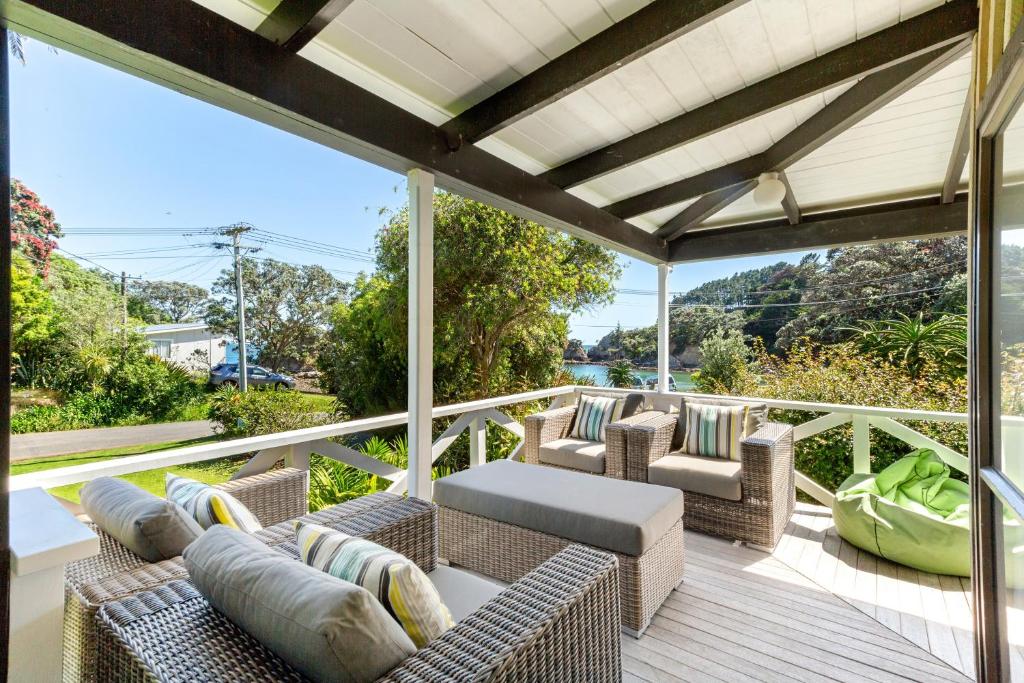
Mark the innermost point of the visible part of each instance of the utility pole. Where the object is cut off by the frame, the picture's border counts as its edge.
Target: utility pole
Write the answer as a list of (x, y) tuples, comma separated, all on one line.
[(235, 232), (124, 305)]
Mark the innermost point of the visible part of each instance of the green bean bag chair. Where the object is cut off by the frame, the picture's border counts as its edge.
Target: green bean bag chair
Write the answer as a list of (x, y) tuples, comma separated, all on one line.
[(911, 513)]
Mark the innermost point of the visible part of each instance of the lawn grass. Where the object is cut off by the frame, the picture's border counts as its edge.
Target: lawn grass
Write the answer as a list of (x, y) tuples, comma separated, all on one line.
[(210, 472)]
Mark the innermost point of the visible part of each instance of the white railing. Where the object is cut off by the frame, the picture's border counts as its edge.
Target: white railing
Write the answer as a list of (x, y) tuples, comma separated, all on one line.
[(295, 447), (835, 415)]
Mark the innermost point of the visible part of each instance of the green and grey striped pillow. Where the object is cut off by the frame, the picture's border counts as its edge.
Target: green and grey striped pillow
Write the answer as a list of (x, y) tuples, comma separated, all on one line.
[(714, 431), (593, 414)]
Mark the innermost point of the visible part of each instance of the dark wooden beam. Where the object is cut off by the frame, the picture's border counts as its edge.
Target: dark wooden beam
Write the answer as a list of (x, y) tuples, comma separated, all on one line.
[(293, 23), (961, 147), (702, 209), (914, 219), (864, 98), (789, 203), (946, 25), (200, 53), (641, 32)]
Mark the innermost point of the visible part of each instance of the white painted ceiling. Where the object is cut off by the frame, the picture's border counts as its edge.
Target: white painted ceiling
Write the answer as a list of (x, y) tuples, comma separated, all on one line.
[(436, 58)]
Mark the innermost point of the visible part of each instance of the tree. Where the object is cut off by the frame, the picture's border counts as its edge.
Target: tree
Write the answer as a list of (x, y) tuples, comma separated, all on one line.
[(874, 282), (287, 309), (158, 301), (503, 288), (31, 317), (620, 374), (914, 343), (34, 228), (724, 356)]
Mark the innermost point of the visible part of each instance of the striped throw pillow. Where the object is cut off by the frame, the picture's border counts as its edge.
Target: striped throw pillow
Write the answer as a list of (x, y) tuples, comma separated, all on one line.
[(715, 431), (593, 414), (402, 587), (209, 505)]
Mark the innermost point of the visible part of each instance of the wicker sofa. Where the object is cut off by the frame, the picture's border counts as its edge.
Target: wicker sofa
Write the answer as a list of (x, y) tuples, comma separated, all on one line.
[(750, 500), (558, 623), (274, 497), (548, 443)]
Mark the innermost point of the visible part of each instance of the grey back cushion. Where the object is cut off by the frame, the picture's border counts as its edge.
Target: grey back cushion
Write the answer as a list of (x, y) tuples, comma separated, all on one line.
[(757, 415), (330, 630), (634, 402), (153, 528)]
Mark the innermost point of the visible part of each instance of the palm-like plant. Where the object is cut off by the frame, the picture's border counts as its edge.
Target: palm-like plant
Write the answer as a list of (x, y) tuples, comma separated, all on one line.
[(332, 482), (620, 374), (915, 343)]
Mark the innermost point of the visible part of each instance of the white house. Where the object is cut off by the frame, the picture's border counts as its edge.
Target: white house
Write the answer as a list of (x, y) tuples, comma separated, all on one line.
[(192, 345)]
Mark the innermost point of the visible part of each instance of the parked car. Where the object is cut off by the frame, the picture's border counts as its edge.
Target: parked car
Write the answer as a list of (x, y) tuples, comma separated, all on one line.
[(226, 374)]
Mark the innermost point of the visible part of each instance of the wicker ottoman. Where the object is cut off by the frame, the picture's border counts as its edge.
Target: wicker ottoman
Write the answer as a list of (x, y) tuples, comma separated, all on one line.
[(506, 518)]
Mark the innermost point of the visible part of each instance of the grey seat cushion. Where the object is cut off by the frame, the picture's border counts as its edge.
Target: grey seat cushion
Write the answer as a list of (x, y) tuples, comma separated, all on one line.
[(462, 592), (576, 454), (153, 528), (622, 516), (718, 477), (757, 415), (328, 629)]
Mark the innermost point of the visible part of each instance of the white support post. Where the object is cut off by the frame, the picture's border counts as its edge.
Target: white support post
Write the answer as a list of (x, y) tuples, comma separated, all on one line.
[(861, 444), (478, 441), (663, 342), (421, 330)]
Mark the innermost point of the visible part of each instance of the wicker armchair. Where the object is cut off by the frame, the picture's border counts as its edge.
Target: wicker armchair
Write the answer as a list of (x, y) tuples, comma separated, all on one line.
[(609, 459), (766, 479), (558, 623), (116, 572)]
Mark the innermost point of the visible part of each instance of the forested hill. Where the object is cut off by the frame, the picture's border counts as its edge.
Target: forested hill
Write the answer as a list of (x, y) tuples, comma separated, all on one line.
[(817, 297)]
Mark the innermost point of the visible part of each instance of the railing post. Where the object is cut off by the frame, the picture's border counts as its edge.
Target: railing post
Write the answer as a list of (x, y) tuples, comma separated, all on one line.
[(861, 444), (477, 441), (663, 338), (421, 330)]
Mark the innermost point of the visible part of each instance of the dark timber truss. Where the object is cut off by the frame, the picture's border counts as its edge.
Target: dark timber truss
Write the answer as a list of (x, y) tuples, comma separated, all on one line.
[(181, 44)]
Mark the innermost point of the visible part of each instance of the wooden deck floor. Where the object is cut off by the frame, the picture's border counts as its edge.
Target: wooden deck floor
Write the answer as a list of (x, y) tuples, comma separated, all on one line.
[(817, 609)]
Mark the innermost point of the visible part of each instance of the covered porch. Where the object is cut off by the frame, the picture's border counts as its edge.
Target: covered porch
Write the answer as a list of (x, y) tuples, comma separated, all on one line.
[(672, 132)]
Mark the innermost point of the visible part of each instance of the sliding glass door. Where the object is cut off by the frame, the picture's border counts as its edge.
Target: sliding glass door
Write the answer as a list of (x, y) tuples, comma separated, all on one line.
[(997, 374)]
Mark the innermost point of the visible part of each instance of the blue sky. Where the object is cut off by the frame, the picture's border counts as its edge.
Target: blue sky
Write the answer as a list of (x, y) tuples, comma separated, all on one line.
[(109, 150)]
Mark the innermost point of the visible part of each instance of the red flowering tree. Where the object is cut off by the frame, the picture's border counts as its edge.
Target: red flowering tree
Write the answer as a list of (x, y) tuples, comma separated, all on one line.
[(34, 228)]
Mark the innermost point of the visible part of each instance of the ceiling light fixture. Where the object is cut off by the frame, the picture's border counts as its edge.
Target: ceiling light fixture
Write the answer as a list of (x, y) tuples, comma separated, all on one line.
[(770, 191)]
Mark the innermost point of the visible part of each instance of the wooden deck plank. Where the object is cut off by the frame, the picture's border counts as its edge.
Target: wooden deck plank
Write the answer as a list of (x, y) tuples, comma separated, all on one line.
[(888, 595), (664, 658), (912, 621), (821, 647), (816, 609), (941, 641), (959, 609)]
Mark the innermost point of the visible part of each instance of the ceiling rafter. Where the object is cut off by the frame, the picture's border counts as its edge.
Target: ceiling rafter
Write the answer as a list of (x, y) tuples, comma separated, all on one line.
[(702, 209), (293, 23), (864, 98), (789, 204), (195, 50), (947, 24), (621, 43), (913, 219), (961, 147)]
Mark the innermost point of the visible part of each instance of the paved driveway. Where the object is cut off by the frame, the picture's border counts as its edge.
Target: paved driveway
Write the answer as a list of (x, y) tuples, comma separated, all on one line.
[(27, 446)]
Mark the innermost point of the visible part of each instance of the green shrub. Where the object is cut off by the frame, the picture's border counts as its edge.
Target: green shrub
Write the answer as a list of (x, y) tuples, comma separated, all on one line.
[(840, 374), (149, 386), (255, 412), (724, 357)]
